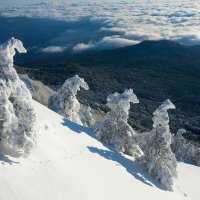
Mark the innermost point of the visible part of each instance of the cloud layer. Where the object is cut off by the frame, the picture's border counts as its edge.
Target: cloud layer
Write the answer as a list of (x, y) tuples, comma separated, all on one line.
[(132, 21), (53, 49), (106, 43)]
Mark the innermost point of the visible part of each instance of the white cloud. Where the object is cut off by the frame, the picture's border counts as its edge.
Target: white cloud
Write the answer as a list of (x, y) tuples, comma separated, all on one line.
[(106, 43), (53, 49), (132, 20), (82, 47)]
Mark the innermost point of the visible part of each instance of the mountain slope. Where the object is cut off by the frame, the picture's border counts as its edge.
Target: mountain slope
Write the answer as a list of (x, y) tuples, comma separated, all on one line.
[(163, 56), (68, 163)]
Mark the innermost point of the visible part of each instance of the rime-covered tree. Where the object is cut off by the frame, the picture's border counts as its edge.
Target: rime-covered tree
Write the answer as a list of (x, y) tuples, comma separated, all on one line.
[(183, 149), (64, 101), (18, 119), (159, 159), (114, 129)]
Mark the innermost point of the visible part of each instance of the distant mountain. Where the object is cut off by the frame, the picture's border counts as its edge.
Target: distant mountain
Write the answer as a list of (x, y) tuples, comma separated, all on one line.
[(161, 55), (156, 70)]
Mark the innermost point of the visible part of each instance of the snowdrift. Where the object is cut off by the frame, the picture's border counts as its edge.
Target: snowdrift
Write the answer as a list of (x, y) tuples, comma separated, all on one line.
[(69, 163)]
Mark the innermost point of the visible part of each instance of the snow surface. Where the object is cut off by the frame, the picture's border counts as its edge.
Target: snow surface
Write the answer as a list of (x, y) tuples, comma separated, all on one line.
[(68, 163)]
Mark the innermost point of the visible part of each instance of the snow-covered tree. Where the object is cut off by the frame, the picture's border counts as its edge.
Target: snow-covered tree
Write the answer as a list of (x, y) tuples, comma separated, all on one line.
[(183, 149), (18, 118), (159, 159), (65, 103), (114, 129)]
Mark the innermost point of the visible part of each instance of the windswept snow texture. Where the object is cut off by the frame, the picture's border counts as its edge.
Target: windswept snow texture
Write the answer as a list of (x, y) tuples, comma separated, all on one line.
[(69, 163)]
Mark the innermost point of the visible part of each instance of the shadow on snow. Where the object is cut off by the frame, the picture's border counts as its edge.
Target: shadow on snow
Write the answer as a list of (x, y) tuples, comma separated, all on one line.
[(132, 167), (6, 154), (78, 128)]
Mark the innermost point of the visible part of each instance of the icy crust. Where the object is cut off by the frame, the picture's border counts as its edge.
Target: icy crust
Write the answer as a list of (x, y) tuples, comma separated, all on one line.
[(158, 157), (114, 129), (65, 103), (18, 118)]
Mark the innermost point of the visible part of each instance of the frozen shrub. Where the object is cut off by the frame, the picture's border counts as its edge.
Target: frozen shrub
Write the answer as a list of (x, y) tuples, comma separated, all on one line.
[(197, 157), (178, 145), (86, 116), (38, 90)]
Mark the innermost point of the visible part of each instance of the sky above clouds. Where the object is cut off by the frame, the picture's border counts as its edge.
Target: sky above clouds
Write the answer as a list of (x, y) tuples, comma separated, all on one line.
[(131, 21)]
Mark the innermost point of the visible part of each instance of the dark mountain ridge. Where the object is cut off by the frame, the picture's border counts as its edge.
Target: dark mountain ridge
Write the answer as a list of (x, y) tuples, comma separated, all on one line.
[(160, 55)]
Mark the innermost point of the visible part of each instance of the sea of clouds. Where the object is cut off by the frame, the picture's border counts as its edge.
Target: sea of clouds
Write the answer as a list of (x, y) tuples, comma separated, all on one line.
[(131, 21)]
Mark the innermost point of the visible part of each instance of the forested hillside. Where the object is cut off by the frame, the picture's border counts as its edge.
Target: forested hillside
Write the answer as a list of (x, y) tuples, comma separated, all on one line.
[(155, 70)]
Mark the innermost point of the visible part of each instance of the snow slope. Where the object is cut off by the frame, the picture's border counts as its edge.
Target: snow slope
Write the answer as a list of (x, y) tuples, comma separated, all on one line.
[(69, 164)]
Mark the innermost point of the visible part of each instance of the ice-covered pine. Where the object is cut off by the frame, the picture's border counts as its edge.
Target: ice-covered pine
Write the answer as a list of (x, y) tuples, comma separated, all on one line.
[(18, 119), (65, 103), (114, 129), (160, 161), (184, 150)]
